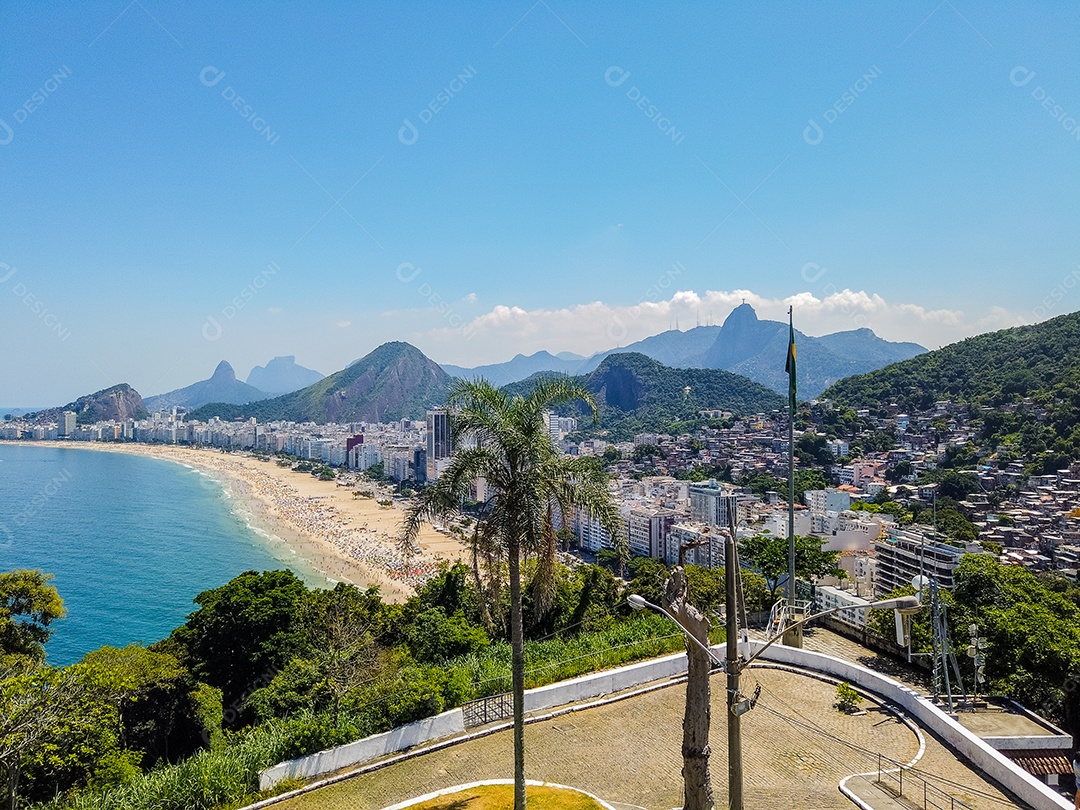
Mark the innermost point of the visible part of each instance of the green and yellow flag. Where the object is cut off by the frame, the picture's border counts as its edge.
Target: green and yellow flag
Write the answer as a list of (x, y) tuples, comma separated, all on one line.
[(790, 365)]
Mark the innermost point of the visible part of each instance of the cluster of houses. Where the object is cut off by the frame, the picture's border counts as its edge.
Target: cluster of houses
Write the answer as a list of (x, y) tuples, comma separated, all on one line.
[(667, 510)]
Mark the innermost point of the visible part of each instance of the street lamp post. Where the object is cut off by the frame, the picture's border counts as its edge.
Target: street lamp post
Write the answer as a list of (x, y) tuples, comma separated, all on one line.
[(638, 602), (735, 664)]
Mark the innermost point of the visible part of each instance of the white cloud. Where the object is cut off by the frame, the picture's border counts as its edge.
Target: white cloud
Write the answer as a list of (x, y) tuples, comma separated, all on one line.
[(504, 330), (344, 324)]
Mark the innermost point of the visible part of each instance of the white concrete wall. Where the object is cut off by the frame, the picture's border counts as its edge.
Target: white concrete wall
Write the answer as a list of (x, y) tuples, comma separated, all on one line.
[(452, 722), (369, 748), (995, 765), (979, 752), (604, 683), (1050, 743)]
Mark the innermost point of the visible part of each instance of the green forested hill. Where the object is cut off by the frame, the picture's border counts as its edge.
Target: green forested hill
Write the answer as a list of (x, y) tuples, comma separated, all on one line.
[(637, 393), (1023, 386), (395, 381)]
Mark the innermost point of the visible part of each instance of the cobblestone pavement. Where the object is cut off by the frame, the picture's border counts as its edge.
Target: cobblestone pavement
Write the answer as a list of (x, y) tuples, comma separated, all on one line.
[(796, 746), (823, 640)]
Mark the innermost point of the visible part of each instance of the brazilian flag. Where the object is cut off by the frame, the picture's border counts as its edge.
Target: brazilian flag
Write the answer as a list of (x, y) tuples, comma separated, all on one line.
[(790, 366)]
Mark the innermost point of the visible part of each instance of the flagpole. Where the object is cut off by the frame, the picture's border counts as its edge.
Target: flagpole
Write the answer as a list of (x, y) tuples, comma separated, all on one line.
[(791, 464)]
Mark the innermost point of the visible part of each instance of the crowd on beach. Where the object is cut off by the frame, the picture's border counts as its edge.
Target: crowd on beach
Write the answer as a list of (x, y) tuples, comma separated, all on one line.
[(313, 515)]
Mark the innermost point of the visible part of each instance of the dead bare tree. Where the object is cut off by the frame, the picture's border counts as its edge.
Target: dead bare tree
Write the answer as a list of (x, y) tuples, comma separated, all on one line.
[(697, 781)]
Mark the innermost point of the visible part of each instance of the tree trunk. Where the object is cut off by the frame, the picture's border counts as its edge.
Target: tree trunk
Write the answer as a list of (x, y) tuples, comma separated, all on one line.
[(13, 784), (481, 592), (697, 781), (517, 644)]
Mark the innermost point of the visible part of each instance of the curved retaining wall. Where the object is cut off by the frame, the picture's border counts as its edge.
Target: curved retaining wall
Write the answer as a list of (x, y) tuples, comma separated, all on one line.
[(452, 722), (369, 748), (976, 750)]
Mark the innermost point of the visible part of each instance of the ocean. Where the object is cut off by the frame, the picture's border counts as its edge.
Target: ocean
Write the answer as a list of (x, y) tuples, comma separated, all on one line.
[(130, 541)]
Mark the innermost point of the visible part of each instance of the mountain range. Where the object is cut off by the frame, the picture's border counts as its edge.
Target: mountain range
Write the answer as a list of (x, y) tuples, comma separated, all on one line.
[(635, 393), (743, 345), (1022, 385), (116, 403), (282, 375), (395, 381), (662, 379), (519, 368), (221, 387)]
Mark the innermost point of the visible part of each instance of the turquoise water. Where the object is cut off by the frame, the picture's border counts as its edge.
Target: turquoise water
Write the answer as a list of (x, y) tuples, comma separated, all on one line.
[(130, 540)]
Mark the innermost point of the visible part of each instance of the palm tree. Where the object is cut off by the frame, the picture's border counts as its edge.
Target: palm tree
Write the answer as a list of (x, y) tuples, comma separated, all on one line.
[(504, 440)]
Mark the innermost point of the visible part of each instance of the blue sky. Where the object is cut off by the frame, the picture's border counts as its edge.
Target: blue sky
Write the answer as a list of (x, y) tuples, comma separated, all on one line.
[(185, 183)]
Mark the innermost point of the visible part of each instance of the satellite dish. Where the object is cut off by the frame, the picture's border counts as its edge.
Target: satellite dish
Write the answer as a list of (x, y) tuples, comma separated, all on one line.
[(920, 583)]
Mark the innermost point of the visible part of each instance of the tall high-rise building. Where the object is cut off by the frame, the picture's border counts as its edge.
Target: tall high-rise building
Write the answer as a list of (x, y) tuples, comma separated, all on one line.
[(67, 423), (420, 465), (647, 528), (439, 443), (710, 502), (905, 553)]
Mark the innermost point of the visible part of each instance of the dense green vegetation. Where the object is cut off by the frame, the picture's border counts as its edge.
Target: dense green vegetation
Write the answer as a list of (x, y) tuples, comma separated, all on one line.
[(266, 669), (1022, 385), (1032, 623), (768, 554), (636, 393), (761, 483)]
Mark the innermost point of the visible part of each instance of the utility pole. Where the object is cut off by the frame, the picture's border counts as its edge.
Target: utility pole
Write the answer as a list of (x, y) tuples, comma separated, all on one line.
[(734, 667)]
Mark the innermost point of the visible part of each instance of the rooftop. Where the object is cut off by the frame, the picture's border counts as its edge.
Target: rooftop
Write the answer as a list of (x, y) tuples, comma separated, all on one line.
[(1003, 719)]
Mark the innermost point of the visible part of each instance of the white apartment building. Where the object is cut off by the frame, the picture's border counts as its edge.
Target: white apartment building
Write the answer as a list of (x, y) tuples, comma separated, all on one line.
[(560, 426), (647, 529), (820, 501), (363, 456), (591, 535), (708, 542), (905, 553), (829, 597), (710, 503), (776, 523)]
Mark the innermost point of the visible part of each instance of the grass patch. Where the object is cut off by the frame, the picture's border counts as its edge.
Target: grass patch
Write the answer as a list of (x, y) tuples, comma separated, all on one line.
[(501, 797), (546, 662)]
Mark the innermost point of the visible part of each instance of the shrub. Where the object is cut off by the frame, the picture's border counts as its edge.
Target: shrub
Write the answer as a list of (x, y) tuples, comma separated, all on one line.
[(847, 699)]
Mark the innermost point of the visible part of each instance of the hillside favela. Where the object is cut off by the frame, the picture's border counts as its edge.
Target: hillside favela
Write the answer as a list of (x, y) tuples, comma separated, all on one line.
[(567, 406)]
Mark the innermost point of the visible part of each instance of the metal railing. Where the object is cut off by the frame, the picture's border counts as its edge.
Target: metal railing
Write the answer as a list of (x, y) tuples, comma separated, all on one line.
[(488, 710), (901, 781), (781, 614)]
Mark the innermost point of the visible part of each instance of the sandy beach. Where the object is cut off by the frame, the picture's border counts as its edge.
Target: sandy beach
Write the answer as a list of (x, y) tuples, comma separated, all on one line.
[(344, 537)]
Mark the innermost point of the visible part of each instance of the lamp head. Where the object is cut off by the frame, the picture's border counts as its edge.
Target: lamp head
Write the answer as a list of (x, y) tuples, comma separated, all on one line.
[(637, 601), (901, 603)]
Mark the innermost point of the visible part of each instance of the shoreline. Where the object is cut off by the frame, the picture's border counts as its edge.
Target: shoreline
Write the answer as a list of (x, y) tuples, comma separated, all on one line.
[(342, 537)]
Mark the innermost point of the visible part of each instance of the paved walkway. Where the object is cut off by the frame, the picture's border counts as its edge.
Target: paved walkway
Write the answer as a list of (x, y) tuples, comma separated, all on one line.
[(797, 748), (823, 640)]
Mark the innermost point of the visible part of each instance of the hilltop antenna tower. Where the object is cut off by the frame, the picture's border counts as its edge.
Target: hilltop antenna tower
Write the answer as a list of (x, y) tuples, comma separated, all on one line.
[(941, 651)]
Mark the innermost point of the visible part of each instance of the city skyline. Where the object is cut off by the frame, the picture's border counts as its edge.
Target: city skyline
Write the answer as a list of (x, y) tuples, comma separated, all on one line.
[(500, 180)]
